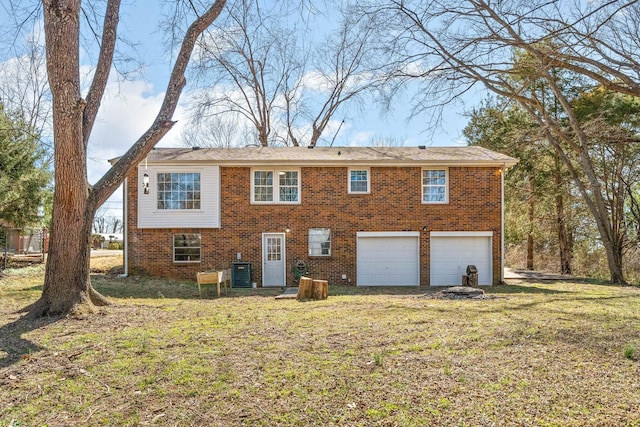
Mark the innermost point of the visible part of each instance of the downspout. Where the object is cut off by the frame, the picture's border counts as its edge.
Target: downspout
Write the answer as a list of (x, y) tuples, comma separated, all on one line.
[(502, 171), (125, 230)]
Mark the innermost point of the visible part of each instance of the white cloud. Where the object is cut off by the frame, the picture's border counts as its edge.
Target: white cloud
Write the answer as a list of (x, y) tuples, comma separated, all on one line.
[(415, 68), (362, 138), (459, 142), (316, 81), (126, 112)]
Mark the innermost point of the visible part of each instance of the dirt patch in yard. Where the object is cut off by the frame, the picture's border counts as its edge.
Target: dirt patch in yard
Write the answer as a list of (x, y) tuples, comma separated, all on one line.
[(460, 293)]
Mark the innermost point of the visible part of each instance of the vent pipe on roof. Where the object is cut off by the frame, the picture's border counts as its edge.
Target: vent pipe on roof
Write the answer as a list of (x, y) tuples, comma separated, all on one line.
[(422, 147), (195, 148), (309, 146)]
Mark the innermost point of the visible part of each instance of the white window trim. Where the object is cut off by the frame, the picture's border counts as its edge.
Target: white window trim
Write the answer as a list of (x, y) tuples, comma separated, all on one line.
[(153, 187), (309, 242), (173, 243), (446, 186), (276, 186), (368, 170)]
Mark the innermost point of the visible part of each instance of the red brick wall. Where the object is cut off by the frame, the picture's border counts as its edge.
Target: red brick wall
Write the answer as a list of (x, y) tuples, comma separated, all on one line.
[(394, 204)]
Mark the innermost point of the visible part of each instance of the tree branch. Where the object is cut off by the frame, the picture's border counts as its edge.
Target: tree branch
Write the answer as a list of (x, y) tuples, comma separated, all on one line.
[(163, 121), (101, 76)]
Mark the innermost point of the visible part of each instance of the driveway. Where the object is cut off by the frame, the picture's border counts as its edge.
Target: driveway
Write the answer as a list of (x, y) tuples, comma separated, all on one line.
[(510, 273), (95, 253)]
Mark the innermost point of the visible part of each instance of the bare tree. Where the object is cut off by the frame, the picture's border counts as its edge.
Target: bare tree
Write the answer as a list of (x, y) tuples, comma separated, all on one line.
[(67, 286), (516, 49), (288, 86), (114, 224), (247, 58), (24, 89), (389, 141), (220, 131), (537, 195), (99, 223), (346, 68), (105, 223)]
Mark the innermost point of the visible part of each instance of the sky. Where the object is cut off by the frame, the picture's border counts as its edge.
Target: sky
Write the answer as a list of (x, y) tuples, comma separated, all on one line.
[(130, 106)]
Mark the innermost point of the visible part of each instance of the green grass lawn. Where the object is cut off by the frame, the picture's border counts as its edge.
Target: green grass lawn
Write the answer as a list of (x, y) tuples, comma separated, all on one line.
[(553, 354)]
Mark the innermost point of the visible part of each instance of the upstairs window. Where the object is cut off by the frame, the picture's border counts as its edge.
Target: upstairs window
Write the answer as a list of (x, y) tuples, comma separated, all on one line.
[(275, 186), (435, 186), (358, 181), (319, 242), (288, 185), (263, 186), (178, 191)]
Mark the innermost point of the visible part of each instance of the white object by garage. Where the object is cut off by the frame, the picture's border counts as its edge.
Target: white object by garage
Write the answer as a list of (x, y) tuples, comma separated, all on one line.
[(388, 258), (452, 252)]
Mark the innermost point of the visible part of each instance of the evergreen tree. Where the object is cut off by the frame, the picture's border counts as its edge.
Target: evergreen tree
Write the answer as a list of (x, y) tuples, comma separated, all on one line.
[(24, 172)]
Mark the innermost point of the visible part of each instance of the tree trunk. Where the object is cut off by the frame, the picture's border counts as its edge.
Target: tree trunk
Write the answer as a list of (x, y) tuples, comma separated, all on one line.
[(597, 206), (319, 289), (564, 238), (315, 136), (263, 136), (593, 196), (530, 265), (611, 240), (564, 241), (67, 286), (305, 288), (596, 203), (532, 218)]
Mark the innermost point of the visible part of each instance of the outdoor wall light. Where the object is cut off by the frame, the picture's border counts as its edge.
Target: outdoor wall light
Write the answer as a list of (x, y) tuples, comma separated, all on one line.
[(287, 229), (145, 183)]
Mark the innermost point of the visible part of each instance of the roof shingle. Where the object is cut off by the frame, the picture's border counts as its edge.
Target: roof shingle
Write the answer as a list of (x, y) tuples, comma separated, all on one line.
[(333, 155)]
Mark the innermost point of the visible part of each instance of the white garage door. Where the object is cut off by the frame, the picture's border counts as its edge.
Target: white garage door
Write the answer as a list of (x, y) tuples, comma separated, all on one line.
[(388, 258), (451, 252)]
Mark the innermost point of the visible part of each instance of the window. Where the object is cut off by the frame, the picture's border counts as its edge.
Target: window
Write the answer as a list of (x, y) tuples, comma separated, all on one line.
[(263, 186), (284, 189), (186, 248), (178, 191), (319, 242), (274, 248), (434, 186), (358, 180), (288, 186)]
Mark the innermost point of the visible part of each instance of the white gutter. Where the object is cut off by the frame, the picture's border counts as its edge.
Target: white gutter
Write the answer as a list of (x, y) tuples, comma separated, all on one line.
[(502, 172), (125, 240)]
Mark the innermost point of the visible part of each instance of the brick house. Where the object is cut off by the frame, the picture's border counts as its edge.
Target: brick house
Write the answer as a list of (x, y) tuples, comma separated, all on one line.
[(365, 216)]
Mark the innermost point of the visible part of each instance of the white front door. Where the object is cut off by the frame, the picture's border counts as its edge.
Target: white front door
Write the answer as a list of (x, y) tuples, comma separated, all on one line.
[(273, 259)]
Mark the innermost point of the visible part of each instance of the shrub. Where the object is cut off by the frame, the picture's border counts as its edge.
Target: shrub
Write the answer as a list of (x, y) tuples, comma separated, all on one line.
[(378, 359), (114, 246), (630, 352)]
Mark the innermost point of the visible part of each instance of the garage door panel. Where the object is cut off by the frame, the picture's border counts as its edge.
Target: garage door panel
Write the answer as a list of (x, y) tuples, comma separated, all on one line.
[(451, 255), (388, 261)]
